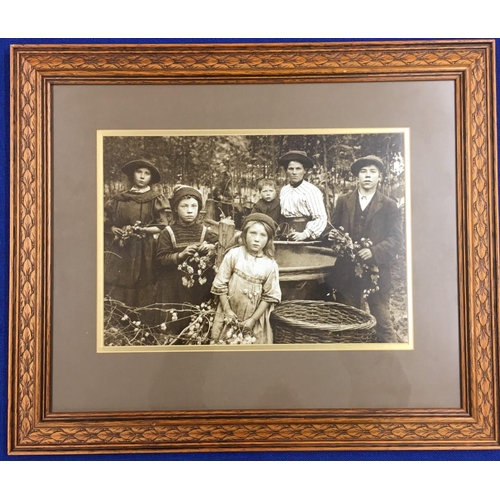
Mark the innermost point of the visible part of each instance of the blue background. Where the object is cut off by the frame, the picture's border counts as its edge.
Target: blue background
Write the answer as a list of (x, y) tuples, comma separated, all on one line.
[(4, 300)]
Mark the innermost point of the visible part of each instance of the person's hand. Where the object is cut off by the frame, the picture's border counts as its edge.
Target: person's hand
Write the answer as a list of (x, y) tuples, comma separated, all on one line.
[(189, 251), (365, 253), (248, 325), (230, 314), (297, 236), (117, 231), (205, 247)]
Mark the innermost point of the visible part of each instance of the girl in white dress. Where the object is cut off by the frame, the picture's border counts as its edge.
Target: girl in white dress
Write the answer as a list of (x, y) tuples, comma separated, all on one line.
[(247, 282)]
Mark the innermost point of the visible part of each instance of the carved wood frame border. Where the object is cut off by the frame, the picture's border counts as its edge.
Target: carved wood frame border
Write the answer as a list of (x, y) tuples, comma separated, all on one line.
[(33, 428)]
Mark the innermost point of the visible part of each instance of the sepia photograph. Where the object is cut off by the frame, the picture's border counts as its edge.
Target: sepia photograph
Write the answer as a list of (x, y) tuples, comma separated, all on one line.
[(227, 247), (254, 239)]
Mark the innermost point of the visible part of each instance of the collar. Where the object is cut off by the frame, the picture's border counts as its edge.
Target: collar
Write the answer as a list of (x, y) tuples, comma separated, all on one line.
[(295, 186), (366, 197), (135, 189), (184, 224), (258, 256), (274, 201), (364, 200)]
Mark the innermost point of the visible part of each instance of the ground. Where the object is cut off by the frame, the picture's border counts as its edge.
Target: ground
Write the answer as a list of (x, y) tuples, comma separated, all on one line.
[(399, 295)]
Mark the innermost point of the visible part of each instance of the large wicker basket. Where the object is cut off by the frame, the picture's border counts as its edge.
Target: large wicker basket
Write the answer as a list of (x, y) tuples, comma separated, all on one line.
[(314, 321)]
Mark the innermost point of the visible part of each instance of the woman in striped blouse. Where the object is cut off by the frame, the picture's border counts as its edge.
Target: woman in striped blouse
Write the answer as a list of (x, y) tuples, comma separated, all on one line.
[(302, 203)]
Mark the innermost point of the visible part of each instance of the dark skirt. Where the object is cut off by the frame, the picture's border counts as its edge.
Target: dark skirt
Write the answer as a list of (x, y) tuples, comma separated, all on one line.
[(172, 294)]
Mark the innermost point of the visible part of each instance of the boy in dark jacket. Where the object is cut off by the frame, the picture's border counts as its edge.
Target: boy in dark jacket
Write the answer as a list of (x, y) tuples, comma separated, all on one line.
[(367, 213)]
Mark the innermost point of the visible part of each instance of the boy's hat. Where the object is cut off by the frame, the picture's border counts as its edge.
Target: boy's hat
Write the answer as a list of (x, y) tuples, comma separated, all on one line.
[(365, 161), (299, 156), (258, 217), (180, 191), (134, 165)]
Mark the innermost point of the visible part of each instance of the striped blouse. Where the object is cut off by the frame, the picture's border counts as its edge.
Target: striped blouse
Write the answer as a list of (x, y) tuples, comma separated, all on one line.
[(305, 200)]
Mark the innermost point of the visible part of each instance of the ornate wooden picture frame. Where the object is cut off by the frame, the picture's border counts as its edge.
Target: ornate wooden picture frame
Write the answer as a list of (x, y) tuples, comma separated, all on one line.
[(36, 427)]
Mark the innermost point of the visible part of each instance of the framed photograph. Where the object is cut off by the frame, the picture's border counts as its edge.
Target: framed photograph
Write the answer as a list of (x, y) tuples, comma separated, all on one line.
[(253, 247), (153, 298)]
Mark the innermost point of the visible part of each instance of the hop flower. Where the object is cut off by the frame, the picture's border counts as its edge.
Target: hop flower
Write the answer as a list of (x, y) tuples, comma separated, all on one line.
[(358, 270), (163, 326), (125, 317)]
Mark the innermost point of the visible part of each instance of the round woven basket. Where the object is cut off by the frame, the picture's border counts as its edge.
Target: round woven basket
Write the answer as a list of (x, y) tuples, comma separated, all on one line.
[(317, 322)]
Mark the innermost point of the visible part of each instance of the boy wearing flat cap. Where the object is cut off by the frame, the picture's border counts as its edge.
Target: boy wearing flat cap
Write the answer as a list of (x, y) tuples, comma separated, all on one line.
[(301, 202), (367, 213)]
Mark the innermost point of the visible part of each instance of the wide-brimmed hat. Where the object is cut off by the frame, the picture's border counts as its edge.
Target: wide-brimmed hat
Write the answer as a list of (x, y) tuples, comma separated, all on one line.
[(180, 191), (299, 156), (365, 161), (132, 166), (258, 217)]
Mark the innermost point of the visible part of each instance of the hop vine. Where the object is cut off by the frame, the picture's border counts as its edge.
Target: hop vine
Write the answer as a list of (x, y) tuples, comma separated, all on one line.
[(343, 246), (196, 267)]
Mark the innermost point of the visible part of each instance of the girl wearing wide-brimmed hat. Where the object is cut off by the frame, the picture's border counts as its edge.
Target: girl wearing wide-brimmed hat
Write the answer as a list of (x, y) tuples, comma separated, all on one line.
[(134, 218)]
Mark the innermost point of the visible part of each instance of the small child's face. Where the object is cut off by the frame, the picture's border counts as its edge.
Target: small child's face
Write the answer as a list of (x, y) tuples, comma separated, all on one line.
[(256, 238), (142, 177), (187, 210), (268, 193)]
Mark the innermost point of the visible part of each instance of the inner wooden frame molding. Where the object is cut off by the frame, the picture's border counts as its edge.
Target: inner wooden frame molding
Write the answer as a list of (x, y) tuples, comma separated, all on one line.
[(36, 69)]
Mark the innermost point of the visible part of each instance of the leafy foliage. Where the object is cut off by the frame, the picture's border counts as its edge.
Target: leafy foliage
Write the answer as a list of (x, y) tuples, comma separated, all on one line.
[(235, 163), (343, 246)]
